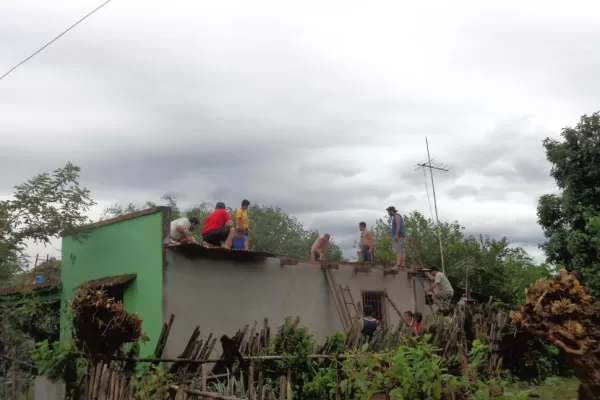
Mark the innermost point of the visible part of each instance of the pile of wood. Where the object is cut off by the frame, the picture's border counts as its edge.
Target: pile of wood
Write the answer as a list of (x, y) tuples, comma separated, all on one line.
[(560, 312), (100, 324)]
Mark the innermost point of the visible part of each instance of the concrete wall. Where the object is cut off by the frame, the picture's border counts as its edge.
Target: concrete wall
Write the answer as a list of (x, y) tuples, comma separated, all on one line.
[(131, 244), (46, 389), (222, 296)]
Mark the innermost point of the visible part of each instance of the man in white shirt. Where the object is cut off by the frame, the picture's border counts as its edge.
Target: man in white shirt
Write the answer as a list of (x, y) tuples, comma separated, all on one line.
[(442, 289), (182, 228)]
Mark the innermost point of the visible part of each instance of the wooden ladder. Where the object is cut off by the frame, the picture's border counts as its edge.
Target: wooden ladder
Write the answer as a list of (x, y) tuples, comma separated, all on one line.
[(338, 300), (346, 296)]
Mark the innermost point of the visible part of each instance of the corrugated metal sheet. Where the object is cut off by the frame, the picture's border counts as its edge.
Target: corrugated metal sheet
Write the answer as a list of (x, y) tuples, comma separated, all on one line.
[(199, 251), (110, 281), (47, 284)]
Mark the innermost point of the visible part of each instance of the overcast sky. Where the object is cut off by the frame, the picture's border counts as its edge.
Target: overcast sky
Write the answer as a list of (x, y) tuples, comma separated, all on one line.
[(320, 107)]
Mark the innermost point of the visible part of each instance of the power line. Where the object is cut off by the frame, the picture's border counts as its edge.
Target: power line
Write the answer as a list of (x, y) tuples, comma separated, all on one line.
[(54, 40)]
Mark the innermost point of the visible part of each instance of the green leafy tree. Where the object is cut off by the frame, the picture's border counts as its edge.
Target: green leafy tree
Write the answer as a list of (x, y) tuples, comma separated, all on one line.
[(489, 266), (271, 229), (39, 210), (567, 217)]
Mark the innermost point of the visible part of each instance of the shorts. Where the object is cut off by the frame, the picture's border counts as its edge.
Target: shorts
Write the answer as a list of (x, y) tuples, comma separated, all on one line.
[(216, 236), (315, 255), (366, 255), (398, 246), (445, 299)]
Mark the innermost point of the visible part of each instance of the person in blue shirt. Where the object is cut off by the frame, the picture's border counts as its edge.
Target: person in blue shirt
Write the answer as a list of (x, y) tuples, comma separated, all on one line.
[(240, 240), (397, 236)]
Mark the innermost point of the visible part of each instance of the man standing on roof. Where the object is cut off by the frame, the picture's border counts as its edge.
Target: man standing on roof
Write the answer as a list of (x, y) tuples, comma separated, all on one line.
[(442, 290), (182, 228), (397, 236), (218, 228), (241, 216), (366, 243), (319, 248)]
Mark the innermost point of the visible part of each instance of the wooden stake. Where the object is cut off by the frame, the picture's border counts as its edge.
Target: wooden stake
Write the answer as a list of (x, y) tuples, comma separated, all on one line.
[(251, 381), (204, 373), (329, 279), (282, 388)]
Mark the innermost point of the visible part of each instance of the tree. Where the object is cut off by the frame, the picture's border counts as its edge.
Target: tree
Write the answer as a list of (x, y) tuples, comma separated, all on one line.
[(40, 209), (271, 229), (567, 217), (490, 266)]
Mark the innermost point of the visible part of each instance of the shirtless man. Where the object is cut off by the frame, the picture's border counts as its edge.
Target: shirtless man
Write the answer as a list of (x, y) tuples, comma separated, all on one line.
[(366, 243), (319, 248)]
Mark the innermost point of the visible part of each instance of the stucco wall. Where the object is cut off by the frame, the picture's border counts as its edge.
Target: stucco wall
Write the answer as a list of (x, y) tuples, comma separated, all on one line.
[(222, 296), (124, 247)]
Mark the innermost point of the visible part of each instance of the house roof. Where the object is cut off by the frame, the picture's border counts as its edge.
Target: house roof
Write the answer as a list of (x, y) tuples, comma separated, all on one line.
[(109, 281), (47, 284), (26, 280), (198, 251), (115, 220)]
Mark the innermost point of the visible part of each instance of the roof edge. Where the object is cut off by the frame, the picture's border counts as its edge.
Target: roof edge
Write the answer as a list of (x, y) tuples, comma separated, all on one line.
[(120, 218)]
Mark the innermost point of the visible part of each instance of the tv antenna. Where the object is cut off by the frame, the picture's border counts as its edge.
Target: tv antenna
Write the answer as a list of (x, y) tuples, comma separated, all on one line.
[(433, 167)]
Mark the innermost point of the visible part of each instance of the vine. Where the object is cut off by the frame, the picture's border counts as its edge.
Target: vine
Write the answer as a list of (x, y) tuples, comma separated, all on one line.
[(57, 361)]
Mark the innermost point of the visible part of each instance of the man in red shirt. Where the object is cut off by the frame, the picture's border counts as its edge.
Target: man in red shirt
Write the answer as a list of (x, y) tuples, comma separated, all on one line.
[(218, 228)]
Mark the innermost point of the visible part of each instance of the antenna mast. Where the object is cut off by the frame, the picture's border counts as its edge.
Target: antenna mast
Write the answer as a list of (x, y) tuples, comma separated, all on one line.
[(434, 167)]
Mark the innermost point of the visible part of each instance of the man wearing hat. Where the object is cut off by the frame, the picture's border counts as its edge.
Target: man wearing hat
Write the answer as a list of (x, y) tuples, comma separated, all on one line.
[(218, 228), (397, 236)]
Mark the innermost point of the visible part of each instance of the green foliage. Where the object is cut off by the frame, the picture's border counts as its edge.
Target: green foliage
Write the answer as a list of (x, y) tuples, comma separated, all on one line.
[(569, 218), (413, 371), (40, 209), (58, 361), (271, 229), (492, 266), (152, 382), (296, 343)]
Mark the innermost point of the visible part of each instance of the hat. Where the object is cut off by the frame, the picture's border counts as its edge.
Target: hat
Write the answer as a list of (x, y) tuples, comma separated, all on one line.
[(220, 204), (391, 208)]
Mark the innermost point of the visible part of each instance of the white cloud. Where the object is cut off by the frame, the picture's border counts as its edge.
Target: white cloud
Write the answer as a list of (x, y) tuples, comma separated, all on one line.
[(319, 107)]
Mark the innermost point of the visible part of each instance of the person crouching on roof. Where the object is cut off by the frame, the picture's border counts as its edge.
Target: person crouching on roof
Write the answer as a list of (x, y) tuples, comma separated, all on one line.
[(319, 248), (442, 289), (181, 230), (218, 228), (368, 324), (240, 240)]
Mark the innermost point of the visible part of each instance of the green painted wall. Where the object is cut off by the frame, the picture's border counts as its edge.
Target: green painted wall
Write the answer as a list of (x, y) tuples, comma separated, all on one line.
[(126, 247)]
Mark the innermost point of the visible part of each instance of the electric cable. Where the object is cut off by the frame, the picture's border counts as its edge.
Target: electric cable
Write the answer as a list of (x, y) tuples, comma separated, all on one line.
[(53, 40)]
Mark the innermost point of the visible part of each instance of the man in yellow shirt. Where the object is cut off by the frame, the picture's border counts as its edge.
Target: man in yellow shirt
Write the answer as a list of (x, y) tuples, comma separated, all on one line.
[(241, 216)]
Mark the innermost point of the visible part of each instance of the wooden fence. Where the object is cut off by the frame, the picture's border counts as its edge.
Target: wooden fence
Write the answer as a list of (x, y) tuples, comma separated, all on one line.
[(239, 374)]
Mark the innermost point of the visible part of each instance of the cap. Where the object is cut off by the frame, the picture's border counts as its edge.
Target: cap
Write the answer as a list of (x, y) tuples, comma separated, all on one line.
[(220, 204), (391, 208)]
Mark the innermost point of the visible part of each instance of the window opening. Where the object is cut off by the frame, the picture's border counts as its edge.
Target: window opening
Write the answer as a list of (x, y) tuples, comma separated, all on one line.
[(375, 300), (116, 292)]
